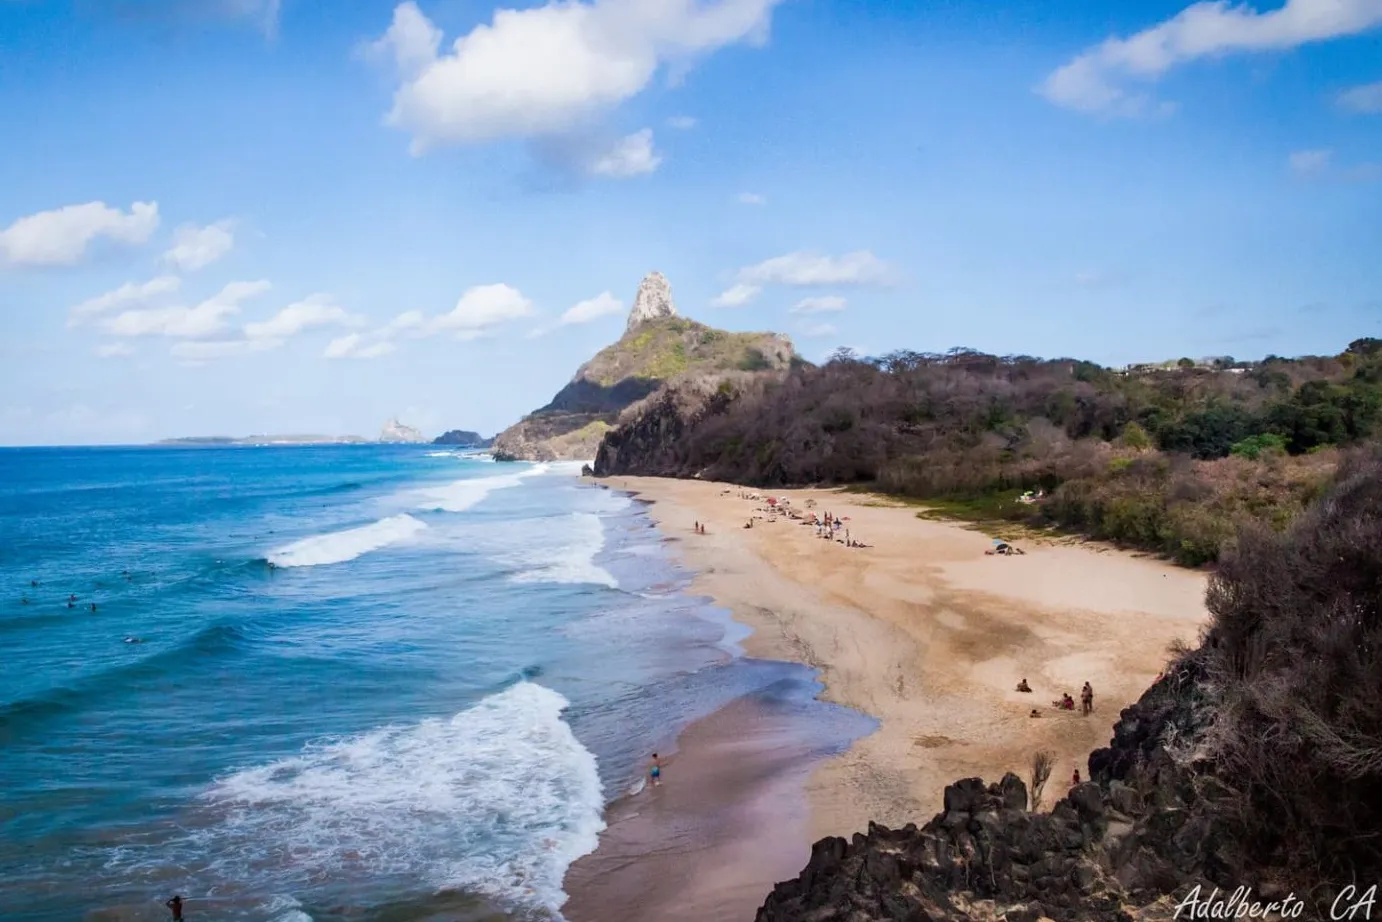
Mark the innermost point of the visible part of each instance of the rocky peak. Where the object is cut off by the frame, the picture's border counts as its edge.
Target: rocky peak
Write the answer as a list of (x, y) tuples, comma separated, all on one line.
[(653, 301), (395, 431)]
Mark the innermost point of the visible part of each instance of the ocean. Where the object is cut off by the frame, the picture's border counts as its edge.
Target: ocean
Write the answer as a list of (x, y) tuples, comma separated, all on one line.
[(374, 683)]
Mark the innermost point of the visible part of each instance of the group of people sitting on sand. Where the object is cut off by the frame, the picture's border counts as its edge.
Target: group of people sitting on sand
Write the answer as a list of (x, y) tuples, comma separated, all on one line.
[(1065, 702)]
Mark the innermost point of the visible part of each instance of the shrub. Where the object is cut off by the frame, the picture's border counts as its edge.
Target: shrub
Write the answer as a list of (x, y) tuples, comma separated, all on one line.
[(1295, 652), (1254, 446)]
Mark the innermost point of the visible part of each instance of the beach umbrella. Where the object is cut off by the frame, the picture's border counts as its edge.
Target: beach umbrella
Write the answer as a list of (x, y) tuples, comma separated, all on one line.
[(772, 501)]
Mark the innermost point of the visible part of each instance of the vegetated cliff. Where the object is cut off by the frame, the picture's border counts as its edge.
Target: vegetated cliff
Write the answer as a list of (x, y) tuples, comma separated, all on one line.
[(1170, 458), (462, 438), (658, 345), (1255, 761)]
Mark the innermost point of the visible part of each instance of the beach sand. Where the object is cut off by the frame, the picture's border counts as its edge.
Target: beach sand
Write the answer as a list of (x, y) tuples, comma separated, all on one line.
[(922, 631)]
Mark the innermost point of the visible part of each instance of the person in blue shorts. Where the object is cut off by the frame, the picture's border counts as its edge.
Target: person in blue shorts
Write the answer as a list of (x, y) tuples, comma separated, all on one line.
[(655, 773)]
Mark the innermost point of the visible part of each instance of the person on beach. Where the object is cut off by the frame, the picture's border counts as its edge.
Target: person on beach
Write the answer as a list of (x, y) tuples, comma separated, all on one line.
[(655, 772), (1087, 700), (175, 905), (1075, 780), (1023, 686)]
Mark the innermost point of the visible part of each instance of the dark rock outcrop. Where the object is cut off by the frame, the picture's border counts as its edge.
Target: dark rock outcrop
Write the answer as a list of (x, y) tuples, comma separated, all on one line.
[(1142, 829), (463, 438)]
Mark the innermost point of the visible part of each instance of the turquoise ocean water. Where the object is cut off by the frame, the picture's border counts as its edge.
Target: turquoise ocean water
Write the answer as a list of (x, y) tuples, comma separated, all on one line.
[(376, 683)]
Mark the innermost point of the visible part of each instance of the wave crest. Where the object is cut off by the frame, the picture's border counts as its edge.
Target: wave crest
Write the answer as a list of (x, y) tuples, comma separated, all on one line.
[(340, 546)]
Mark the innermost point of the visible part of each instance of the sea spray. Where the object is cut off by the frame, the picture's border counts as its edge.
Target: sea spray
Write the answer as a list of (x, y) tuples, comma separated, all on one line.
[(340, 546), (461, 495), (497, 800)]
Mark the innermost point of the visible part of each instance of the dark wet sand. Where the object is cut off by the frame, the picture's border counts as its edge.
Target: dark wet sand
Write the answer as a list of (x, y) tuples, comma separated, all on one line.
[(729, 820)]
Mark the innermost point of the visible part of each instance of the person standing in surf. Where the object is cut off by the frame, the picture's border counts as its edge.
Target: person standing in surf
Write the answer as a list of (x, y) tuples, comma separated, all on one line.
[(655, 772), (175, 904)]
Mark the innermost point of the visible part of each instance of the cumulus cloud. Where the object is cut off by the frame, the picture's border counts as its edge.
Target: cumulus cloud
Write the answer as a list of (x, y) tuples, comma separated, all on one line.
[(752, 198), (199, 322), (198, 247), (802, 269), (356, 346), (1096, 80), (547, 70), (682, 122), (1310, 161), (1366, 98), (821, 305), (478, 311), (736, 296), (128, 294), (313, 311), (602, 305), (61, 237), (629, 156)]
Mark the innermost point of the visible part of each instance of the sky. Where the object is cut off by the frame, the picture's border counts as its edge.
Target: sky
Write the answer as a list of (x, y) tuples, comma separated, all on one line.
[(232, 217)]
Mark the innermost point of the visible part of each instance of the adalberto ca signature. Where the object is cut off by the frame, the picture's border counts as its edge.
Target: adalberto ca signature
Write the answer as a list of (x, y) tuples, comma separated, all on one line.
[(1353, 903)]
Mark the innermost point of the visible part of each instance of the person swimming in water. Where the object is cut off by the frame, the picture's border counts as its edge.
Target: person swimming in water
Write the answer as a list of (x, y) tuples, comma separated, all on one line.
[(93, 606), (655, 773)]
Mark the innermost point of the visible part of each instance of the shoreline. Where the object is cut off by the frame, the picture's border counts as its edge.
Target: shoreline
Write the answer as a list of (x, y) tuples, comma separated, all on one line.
[(922, 632)]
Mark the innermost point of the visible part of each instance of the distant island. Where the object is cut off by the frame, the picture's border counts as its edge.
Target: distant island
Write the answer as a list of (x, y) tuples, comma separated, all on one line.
[(463, 438), (209, 440)]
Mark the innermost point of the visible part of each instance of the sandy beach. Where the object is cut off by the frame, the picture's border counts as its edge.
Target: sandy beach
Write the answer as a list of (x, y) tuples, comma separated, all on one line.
[(922, 631)]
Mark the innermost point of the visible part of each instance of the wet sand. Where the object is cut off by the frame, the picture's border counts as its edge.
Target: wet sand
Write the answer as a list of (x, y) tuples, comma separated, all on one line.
[(924, 632)]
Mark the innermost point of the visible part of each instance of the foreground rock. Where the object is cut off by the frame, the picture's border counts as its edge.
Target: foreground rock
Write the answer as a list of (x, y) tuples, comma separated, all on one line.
[(658, 346), (1131, 843)]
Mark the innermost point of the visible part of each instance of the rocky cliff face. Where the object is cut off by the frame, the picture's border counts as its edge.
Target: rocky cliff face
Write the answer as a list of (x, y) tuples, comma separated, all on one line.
[(394, 431), (1130, 843), (658, 346), (653, 301)]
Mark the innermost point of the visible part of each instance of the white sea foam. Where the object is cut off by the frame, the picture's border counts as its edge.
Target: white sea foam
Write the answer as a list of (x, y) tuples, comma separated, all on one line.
[(340, 546), (439, 454), (566, 554), (498, 800), (460, 495)]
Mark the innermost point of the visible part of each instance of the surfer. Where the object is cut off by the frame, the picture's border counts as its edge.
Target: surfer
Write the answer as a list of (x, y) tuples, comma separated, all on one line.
[(93, 606), (175, 904), (133, 640)]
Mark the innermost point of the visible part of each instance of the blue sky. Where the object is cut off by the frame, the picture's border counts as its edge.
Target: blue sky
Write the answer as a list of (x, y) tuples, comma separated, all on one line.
[(245, 216)]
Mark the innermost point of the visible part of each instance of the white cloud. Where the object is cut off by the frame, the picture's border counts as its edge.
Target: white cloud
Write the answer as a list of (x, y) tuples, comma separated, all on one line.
[(736, 296), (197, 247), (1365, 98), (356, 346), (682, 122), (206, 319), (1092, 81), (547, 70), (127, 294), (817, 329), (752, 198), (60, 237), (810, 269), (594, 308), (479, 310), (821, 305), (313, 311), (205, 350), (408, 320), (630, 156), (1310, 161), (114, 350)]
